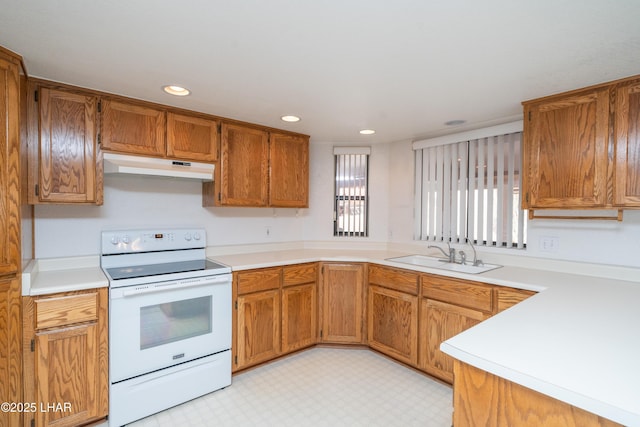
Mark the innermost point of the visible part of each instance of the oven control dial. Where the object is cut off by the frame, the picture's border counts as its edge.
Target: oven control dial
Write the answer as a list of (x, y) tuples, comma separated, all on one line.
[(115, 240), (187, 237), (196, 236), (125, 239)]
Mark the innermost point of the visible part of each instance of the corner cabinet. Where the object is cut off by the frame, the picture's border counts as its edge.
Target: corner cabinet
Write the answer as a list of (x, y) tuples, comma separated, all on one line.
[(299, 306), (581, 148), (260, 168), (342, 303), (64, 158), (66, 357)]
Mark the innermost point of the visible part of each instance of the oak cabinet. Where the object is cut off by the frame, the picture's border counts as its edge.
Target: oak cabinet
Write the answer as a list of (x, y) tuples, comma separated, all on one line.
[(508, 297), (392, 313), (66, 371), (289, 171), (580, 148), (484, 399), (64, 156), (627, 145), (448, 306), (342, 303), (259, 168), (192, 137), (299, 307), (132, 128)]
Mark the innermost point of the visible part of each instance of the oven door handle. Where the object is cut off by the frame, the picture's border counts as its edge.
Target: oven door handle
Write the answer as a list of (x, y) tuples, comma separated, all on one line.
[(180, 284)]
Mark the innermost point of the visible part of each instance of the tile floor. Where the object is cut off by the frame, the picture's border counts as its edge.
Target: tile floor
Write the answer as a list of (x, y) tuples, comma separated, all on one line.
[(319, 387)]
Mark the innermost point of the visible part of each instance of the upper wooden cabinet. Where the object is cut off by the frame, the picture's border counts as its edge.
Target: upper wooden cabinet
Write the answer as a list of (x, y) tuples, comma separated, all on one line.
[(627, 145), (243, 172), (259, 169), (192, 137), (132, 128), (9, 163), (289, 170), (581, 148), (63, 153)]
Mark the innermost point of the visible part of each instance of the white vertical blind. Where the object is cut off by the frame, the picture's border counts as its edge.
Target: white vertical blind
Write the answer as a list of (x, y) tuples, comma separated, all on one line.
[(351, 191), (470, 189)]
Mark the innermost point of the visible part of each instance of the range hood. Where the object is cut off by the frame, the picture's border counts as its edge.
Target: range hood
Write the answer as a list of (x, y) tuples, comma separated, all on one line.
[(137, 165)]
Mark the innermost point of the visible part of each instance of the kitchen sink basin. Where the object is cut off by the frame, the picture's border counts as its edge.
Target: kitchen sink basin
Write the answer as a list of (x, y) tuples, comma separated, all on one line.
[(443, 264)]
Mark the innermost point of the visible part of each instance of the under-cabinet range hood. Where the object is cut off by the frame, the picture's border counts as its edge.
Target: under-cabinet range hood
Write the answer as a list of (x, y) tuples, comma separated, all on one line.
[(137, 165)]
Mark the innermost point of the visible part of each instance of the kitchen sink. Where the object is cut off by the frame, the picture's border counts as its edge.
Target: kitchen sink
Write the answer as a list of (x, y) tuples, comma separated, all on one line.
[(443, 264)]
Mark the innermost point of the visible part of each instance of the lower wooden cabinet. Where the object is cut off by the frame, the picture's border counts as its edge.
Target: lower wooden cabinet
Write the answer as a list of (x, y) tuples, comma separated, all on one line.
[(508, 297), (483, 399), (342, 303), (66, 357), (276, 312)]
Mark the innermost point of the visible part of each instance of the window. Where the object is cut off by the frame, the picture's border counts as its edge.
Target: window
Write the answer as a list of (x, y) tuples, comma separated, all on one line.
[(350, 215), (470, 189)]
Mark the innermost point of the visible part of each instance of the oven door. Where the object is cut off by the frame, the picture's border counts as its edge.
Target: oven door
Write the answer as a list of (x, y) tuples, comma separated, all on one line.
[(157, 325)]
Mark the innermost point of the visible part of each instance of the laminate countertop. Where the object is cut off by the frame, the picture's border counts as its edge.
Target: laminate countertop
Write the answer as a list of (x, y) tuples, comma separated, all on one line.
[(577, 340)]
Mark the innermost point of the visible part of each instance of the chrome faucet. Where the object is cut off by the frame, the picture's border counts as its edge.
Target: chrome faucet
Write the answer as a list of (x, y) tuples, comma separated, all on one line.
[(476, 261), (451, 256), (463, 257)]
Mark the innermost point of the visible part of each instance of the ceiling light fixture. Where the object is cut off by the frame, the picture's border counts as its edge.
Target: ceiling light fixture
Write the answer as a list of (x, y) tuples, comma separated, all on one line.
[(290, 119), (455, 122), (176, 90), (367, 131)]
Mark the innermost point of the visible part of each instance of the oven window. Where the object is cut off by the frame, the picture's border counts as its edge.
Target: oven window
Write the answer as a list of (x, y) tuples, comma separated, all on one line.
[(174, 321)]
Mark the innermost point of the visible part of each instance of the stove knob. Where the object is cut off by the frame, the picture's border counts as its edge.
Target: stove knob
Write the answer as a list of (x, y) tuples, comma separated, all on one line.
[(125, 239), (196, 236), (115, 240), (187, 237)]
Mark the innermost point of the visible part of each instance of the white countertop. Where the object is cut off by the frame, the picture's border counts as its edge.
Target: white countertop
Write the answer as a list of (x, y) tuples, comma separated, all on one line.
[(49, 276), (577, 340)]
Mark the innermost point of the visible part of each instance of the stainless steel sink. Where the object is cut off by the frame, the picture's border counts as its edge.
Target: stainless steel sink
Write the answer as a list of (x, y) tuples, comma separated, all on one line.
[(443, 264)]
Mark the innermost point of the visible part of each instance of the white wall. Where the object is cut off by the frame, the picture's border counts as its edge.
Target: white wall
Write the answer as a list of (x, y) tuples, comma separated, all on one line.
[(602, 242)]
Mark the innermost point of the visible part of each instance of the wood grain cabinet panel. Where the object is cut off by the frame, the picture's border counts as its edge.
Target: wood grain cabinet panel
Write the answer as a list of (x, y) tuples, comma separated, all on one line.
[(192, 138), (440, 321), (394, 278), (627, 145), (459, 292), (68, 362), (565, 151), (65, 161), (481, 399), (393, 323), (508, 297), (258, 327), (299, 317), (242, 178), (342, 303), (289, 171), (132, 128)]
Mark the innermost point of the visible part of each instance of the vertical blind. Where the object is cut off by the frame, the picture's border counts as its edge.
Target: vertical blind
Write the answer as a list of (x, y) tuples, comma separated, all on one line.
[(470, 190), (351, 191)]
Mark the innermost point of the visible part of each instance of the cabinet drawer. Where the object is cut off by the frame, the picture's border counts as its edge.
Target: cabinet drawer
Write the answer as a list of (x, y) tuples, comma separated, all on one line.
[(508, 297), (393, 278), (65, 310), (458, 292), (299, 274), (258, 280)]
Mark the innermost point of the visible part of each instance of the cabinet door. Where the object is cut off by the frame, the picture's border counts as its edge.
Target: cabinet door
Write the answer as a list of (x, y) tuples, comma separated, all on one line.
[(258, 327), (132, 128), (565, 151), (299, 317), (9, 166), (342, 303), (67, 161), (440, 321), (67, 373), (242, 178), (627, 146), (192, 138), (289, 175), (10, 348), (393, 323)]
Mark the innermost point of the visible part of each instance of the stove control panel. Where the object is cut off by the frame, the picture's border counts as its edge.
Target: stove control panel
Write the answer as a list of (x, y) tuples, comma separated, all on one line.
[(150, 240)]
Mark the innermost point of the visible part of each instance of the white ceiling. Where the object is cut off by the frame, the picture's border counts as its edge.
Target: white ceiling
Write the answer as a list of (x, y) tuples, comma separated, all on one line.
[(401, 67)]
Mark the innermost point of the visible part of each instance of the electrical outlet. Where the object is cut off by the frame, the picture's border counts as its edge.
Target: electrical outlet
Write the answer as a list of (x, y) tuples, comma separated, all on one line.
[(549, 244), (267, 231)]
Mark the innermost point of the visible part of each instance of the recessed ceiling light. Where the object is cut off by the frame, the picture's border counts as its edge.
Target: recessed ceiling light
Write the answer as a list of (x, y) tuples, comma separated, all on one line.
[(176, 90), (455, 122), (367, 131), (289, 118)]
